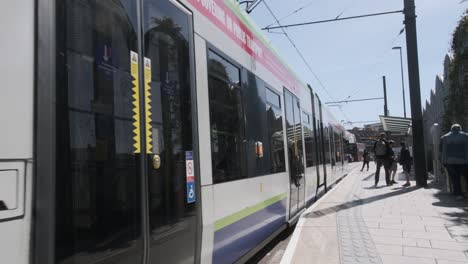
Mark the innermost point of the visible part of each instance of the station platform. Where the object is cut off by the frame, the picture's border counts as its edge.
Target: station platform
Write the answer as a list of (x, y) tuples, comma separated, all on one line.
[(358, 223)]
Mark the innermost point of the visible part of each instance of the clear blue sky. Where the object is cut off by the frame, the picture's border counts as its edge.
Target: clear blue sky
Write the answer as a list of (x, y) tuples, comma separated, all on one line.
[(350, 57)]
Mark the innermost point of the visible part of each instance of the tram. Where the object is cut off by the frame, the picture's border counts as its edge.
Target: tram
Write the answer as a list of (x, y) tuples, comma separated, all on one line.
[(356, 150), (152, 131)]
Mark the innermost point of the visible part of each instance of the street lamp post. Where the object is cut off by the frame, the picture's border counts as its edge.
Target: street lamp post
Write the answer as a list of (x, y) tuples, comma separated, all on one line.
[(402, 79)]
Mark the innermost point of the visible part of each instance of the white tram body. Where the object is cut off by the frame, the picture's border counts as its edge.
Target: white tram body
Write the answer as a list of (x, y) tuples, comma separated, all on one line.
[(152, 131)]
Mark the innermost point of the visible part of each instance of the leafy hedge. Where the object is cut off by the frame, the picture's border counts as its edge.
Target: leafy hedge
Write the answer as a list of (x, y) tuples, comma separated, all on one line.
[(457, 99)]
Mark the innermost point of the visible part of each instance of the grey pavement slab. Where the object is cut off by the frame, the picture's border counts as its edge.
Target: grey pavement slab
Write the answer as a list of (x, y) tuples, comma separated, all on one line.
[(358, 223), (443, 261), (434, 253), (394, 259)]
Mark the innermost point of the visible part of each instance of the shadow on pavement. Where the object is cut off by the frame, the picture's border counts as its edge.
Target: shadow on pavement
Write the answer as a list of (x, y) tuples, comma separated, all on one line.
[(448, 200), (455, 213), (358, 202), (370, 177), (373, 188), (401, 176)]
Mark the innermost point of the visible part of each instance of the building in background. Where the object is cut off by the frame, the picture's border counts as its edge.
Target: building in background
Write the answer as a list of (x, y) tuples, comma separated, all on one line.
[(374, 127), (371, 133), (366, 135)]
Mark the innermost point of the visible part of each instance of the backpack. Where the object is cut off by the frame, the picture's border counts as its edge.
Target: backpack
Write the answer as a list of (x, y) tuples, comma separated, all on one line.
[(380, 148)]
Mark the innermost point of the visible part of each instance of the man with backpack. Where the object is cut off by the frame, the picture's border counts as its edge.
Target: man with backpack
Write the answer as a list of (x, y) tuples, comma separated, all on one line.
[(381, 150)]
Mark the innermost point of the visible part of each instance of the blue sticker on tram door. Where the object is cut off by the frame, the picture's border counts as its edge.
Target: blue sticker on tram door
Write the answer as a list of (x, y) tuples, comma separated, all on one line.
[(190, 176), (190, 192)]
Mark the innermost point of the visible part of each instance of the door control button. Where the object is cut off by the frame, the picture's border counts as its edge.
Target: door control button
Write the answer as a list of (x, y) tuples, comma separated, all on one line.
[(156, 162)]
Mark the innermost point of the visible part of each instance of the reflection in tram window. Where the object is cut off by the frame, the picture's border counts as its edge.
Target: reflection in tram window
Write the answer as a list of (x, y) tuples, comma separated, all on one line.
[(275, 132), (226, 117), (294, 134), (273, 98), (97, 187), (309, 140), (243, 114), (332, 145), (326, 139), (338, 148), (262, 126), (253, 92)]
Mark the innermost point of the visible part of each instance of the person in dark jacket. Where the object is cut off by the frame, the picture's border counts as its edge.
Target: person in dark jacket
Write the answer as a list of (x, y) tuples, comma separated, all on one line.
[(405, 161), (365, 159), (381, 150), (454, 155), (392, 162)]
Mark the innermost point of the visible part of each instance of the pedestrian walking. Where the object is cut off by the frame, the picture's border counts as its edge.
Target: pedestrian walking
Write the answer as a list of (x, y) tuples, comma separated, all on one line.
[(381, 150), (393, 162), (365, 159), (454, 155), (405, 161)]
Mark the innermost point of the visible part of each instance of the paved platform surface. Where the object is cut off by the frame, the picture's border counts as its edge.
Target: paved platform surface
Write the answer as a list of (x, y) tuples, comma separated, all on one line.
[(358, 223)]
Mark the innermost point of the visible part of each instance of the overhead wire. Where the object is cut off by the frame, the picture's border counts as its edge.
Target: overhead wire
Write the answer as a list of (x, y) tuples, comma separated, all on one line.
[(387, 50), (298, 51), (306, 6), (357, 91), (304, 60), (284, 32), (379, 60), (293, 12), (278, 22)]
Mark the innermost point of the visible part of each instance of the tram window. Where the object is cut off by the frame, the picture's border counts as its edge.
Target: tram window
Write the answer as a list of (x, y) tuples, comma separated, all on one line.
[(275, 132), (98, 184), (338, 150), (332, 145), (222, 68), (326, 139), (226, 120), (305, 118), (273, 98), (262, 126), (253, 91), (309, 140)]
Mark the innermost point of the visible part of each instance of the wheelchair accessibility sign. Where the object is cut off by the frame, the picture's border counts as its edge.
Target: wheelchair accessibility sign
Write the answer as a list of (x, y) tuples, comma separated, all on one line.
[(190, 177), (190, 192)]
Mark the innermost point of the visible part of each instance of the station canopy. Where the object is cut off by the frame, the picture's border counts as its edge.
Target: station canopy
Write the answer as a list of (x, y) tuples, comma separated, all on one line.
[(395, 124)]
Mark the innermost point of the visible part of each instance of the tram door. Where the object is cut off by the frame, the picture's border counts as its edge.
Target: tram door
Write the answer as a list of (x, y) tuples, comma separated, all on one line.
[(172, 196), (323, 180), (295, 153), (318, 141), (125, 178)]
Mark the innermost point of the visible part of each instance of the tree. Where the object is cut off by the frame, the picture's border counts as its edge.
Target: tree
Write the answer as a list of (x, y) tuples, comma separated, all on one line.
[(457, 99)]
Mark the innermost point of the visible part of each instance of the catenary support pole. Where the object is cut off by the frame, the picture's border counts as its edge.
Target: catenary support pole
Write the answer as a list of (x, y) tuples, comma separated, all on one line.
[(385, 102), (385, 96), (415, 94)]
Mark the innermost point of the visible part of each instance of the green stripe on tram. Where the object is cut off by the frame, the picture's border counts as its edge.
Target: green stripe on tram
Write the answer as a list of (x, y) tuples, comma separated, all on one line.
[(230, 219)]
